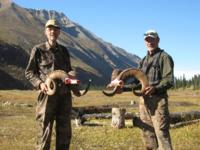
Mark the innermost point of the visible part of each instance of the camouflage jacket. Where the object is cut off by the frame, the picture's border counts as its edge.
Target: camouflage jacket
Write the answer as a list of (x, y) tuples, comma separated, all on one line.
[(159, 68), (44, 59)]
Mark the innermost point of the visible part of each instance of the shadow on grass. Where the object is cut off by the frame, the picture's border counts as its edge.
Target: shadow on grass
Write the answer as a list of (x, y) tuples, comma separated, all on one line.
[(92, 124)]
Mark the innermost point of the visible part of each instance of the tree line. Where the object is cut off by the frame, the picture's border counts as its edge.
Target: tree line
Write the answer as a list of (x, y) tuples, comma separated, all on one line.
[(182, 82), (179, 83)]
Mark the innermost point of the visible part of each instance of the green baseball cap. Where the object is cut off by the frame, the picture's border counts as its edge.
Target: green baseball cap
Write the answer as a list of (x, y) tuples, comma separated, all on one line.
[(151, 33), (52, 22)]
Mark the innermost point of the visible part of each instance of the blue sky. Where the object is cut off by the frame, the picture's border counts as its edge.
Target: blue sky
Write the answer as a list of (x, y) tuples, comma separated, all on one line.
[(123, 23)]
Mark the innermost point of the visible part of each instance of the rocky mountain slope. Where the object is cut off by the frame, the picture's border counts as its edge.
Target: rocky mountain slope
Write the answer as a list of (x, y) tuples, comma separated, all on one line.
[(22, 28)]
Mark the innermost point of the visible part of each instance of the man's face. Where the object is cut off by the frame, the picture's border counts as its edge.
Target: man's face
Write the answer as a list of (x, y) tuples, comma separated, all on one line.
[(52, 33), (151, 43)]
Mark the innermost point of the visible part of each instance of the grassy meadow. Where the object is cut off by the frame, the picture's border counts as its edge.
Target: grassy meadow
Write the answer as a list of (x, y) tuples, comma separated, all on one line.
[(18, 130)]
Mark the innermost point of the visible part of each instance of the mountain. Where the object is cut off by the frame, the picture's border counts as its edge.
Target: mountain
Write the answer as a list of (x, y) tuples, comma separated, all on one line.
[(22, 28)]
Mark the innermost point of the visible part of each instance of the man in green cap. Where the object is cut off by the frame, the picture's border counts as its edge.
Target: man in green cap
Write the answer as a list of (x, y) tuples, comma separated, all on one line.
[(45, 58), (153, 107)]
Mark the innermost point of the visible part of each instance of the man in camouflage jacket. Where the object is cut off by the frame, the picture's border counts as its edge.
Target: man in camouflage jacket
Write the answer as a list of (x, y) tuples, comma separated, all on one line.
[(45, 58), (154, 113)]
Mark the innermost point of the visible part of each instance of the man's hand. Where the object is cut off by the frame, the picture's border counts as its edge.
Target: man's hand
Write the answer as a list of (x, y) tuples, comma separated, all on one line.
[(149, 90), (43, 87)]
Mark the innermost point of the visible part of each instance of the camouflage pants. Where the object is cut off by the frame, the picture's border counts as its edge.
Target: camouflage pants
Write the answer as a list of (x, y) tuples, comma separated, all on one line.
[(154, 115), (49, 109)]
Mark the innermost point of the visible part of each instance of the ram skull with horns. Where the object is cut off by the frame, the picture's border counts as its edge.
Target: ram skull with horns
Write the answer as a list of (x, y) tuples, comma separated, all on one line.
[(119, 77), (66, 78)]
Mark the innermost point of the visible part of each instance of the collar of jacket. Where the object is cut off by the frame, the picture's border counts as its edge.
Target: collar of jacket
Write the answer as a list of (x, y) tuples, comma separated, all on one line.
[(154, 51), (48, 47)]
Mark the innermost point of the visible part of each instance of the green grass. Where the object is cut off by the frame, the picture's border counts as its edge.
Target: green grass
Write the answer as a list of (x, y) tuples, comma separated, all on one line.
[(18, 130), (105, 137)]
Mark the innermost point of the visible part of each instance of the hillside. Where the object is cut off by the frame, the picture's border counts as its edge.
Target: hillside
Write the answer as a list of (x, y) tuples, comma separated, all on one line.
[(22, 28)]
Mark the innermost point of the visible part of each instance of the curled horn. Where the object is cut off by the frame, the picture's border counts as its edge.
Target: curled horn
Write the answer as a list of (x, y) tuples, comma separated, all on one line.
[(78, 92), (130, 72), (50, 81), (76, 88), (61, 75)]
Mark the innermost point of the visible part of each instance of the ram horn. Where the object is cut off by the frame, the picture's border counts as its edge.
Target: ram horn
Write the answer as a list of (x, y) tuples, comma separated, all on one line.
[(62, 75), (130, 72), (50, 80), (76, 89)]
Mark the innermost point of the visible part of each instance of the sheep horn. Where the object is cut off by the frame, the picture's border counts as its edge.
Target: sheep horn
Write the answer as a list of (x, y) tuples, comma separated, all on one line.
[(61, 75), (130, 72), (78, 92), (50, 81)]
